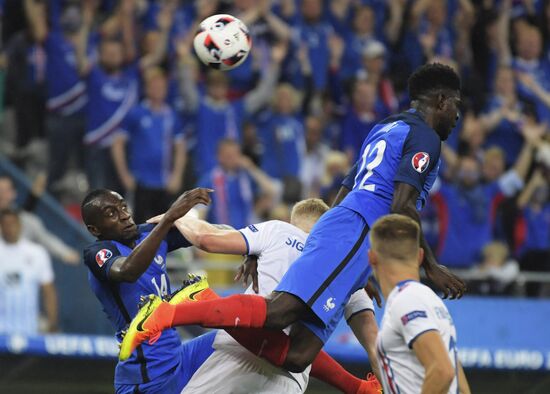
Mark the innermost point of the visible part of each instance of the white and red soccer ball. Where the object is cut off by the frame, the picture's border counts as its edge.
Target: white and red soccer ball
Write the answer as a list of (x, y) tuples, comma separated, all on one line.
[(222, 42)]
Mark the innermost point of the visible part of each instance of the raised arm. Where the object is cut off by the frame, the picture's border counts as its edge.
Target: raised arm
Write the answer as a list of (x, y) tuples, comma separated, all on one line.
[(536, 180), (432, 354), (258, 97), (264, 181), (82, 62), (164, 21), (130, 268), (186, 65), (36, 17), (404, 202), (503, 26)]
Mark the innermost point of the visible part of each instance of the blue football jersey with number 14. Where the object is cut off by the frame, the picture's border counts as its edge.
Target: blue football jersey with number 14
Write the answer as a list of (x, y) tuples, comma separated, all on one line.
[(401, 148), (120, 303)]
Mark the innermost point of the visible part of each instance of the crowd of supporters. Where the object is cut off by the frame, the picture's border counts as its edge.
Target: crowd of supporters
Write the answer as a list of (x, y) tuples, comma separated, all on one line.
[(113, 91)]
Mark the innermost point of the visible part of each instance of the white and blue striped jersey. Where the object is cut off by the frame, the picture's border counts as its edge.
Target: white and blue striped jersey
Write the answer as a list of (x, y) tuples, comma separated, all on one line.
[(412, 309), (24, 268)]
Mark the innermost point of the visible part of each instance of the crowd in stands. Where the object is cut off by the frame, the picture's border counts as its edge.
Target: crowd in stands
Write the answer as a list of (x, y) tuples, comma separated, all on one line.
[(114, 91)]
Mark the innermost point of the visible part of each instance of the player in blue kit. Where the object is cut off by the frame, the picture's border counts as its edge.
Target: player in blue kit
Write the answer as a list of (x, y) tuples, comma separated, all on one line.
[(397, 165), (127, 262)]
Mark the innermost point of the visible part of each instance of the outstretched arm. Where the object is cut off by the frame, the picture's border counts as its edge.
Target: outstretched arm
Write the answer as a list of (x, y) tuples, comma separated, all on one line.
[(129, 269), (210, 238), (404, 203)]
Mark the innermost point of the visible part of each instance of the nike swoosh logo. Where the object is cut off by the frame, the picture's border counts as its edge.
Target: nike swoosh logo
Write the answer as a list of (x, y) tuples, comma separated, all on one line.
[(139, 326), (192, 295)]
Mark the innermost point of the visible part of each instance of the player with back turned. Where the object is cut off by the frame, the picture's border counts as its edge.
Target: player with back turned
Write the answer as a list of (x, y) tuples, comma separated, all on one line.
[(417, 339), (397, 166)]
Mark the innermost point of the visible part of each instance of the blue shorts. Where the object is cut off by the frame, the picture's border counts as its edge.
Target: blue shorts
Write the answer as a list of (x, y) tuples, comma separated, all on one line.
[(333, 265), (193, 354)]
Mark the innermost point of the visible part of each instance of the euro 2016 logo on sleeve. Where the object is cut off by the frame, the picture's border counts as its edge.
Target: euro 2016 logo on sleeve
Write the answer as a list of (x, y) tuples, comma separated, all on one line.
[(102, 256), (420, 162)]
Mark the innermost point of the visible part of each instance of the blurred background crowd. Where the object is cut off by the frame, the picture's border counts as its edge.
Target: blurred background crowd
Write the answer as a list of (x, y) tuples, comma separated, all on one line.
[(107, 93)]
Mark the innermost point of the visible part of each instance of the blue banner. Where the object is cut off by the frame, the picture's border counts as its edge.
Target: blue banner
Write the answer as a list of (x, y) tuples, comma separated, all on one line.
[(493, 333)]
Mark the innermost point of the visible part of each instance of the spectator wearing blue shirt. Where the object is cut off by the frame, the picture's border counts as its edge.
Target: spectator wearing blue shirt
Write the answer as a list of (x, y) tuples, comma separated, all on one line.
[(503, 116), (217, 118), (533, 237), (365, 111), (374, 66), (528, 60), (152, 134), (356, 40), (467, 208), (112, 87), (314, 33), (236, 182), (282, 135), (66, 92)]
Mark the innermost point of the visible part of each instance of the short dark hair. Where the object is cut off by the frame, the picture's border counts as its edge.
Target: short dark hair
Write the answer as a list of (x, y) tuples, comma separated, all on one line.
[(432, 78), (85, 207), (395, 236)]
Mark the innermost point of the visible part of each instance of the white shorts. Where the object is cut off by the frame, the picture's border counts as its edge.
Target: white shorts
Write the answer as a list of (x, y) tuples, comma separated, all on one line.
[(237, 371)]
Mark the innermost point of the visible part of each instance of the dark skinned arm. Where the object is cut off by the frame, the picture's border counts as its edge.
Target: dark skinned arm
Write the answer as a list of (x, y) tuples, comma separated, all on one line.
[(404, 203), (130, 268)]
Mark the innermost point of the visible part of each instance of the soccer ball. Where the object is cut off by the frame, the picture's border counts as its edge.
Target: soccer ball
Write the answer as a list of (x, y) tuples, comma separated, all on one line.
[(222, 42)]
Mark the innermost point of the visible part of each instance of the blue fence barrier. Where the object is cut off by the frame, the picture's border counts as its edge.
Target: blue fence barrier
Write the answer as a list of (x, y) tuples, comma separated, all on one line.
[(493, 333)]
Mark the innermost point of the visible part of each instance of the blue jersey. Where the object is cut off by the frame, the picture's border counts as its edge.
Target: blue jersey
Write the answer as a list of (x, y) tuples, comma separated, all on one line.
[(283, 139), (232, 199), (120, 303), (66, 91), (401, 148), (213, 123), (151, 136), (110, 98)]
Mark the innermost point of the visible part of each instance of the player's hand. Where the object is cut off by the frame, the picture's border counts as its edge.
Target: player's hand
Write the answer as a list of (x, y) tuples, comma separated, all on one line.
[(249, 268), (186, 201), (373, 293), (445, 280)]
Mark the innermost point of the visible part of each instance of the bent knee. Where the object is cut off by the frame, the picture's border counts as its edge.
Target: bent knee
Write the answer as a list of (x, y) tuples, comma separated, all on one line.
[(298, 362), (283, 310)]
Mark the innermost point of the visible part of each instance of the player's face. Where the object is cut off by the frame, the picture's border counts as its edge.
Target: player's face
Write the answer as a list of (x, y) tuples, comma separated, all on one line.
[(114, 219), (448, 115), (10, 227)]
